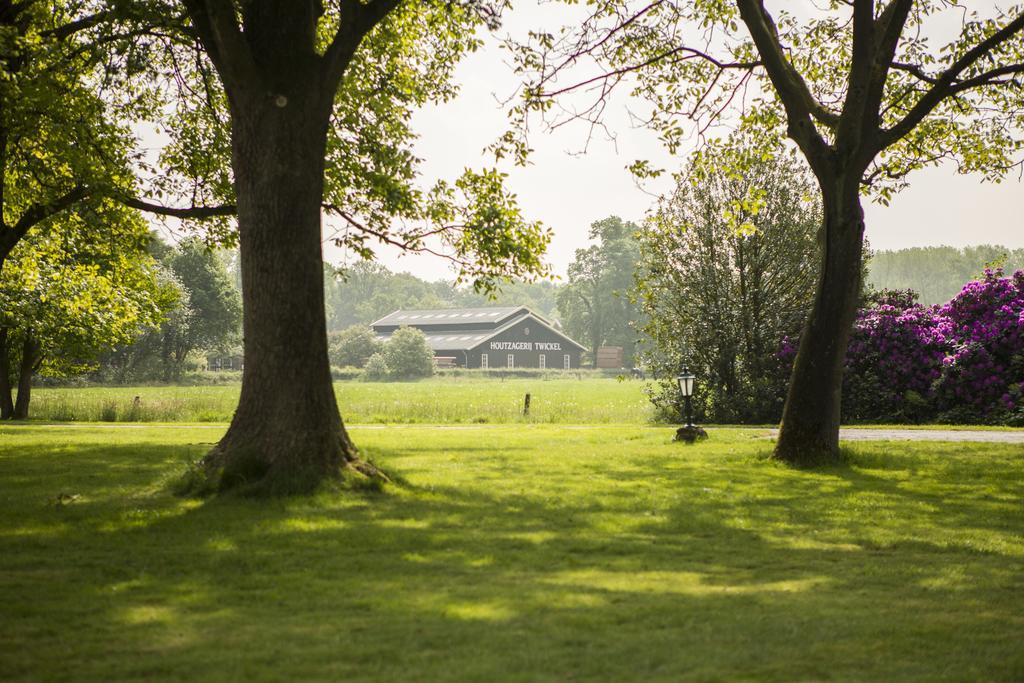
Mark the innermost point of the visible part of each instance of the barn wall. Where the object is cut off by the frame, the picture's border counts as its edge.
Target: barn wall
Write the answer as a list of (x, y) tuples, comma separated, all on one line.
[(526, 342)]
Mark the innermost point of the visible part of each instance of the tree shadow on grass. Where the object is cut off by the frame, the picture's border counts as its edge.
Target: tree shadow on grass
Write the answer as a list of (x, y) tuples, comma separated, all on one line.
[(661, 570)]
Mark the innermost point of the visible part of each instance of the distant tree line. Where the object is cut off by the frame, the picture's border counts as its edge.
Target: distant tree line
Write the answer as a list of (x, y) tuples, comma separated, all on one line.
[(205, 316), (937, 274), (596, 304), (202, 313), (367, 291)]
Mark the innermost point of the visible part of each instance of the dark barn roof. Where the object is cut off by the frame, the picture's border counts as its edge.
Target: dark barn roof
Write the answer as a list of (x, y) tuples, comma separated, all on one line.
[(462, 329), (449, 316)]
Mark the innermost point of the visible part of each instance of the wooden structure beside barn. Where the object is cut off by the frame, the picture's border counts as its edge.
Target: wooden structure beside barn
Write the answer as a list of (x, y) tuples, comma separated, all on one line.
[(488, 338), (609, 357)]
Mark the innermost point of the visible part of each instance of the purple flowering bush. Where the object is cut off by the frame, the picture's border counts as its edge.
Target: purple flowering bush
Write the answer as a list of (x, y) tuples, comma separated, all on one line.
[(959, 362), (983, 374), (895, 357)]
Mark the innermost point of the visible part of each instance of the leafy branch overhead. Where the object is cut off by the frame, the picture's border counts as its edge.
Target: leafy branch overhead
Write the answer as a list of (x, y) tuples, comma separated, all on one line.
[(835, 77), (373, 192), (855, 84), (63, 141)]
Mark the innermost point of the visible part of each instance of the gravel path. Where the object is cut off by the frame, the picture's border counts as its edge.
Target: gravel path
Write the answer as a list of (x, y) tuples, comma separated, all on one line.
[(846, 434), (992, 436)]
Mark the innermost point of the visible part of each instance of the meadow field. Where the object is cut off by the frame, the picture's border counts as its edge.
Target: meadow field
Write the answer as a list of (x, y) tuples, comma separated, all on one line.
[(514, 553), (440, 400)]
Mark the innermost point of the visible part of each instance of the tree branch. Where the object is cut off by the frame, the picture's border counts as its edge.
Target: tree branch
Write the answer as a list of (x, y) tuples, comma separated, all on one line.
[(356, 20), (71, 28), (874, 46), (193, 212), (947, 84), (35, 214), (855, 107), (690, 53), (217, 28), (409, 245), (796, 97), (916, 71)]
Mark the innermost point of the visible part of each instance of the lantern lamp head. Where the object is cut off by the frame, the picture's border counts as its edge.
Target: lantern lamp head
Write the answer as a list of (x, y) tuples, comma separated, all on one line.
[(685, 380)]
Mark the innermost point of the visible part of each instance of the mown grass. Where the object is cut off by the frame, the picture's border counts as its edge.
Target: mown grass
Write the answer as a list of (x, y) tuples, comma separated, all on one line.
[(514, 553), (455, 400)]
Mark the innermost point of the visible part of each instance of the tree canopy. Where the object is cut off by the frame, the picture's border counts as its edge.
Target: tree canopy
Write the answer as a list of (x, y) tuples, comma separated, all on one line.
[(858, 87), (595, 303), (373, 195), (67, 96), (720, 300), (64, 301)]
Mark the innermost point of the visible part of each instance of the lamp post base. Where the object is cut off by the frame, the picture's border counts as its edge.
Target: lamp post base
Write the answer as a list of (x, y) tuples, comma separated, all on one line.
[(690, 434)]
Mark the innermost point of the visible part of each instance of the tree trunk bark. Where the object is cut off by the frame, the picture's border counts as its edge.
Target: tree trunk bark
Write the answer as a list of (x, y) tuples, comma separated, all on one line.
[(6, 401), (809, 434), (287, 435), (29, 353)]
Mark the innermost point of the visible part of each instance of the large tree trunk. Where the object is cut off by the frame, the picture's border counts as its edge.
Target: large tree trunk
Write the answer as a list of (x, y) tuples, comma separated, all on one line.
[(286, 435), (6, 401), (809, 434), (29, 356)]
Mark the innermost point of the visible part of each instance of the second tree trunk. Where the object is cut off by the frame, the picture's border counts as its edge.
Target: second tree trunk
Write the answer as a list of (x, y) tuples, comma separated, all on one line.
[(809, 433)]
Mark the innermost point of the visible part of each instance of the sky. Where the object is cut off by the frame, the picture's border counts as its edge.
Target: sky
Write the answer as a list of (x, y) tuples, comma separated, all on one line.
[(568, 191)]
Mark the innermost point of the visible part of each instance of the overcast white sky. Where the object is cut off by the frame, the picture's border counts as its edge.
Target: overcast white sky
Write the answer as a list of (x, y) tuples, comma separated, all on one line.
[(568, 191)]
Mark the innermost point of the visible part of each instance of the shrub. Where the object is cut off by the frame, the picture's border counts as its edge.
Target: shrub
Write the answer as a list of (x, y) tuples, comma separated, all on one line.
[(894, 359), (345, 374), (353, 346), (983, 376), (959, 362), (407, 354), (376, 369)]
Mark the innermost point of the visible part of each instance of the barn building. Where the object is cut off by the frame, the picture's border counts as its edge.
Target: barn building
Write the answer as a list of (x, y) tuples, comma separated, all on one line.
[(508, 337)]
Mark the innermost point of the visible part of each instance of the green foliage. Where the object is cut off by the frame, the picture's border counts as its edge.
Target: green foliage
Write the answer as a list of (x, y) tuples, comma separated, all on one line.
[(206, 317), (373, 192), (596, 305), (938, 273), (76, 299), (719, 297), (376, 369), (353, 346), (217, 305), (523, 554), (407, 354), (67, 93)]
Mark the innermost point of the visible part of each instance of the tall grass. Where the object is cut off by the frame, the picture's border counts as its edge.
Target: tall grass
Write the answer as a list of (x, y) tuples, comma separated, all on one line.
[(441, 400)]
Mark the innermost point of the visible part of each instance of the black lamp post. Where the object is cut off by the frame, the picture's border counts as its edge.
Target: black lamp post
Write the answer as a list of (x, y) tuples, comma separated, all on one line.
[(689, 432), (685, 380)]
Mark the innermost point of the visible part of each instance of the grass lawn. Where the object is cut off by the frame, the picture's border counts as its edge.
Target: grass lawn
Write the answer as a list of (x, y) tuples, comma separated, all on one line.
[(514, 553), (447, 399)]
